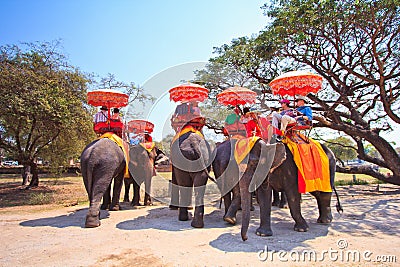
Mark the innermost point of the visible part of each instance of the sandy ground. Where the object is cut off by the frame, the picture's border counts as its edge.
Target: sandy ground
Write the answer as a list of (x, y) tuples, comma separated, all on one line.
[(153, 236)]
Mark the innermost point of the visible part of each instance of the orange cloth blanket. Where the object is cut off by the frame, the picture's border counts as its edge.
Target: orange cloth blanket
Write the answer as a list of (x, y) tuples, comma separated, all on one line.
[(313, 166), (243, 146), (123, 145), (148, 146), (186, 129)]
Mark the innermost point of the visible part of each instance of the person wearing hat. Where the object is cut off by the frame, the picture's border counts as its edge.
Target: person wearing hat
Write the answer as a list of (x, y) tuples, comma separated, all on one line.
[(250, 121), (304, 113), (285, 116), (101, 116)]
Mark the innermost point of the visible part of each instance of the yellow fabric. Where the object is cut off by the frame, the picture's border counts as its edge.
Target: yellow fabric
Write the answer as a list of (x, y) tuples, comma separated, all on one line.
[(243, 146), (186, 130), (123, 145), (148, 146), (313, 166)]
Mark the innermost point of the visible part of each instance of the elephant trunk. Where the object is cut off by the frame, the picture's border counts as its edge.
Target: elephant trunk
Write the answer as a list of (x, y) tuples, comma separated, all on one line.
[(245, 201)]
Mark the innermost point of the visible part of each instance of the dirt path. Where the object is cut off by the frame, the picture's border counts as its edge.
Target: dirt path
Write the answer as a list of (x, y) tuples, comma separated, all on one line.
[(153, 236)]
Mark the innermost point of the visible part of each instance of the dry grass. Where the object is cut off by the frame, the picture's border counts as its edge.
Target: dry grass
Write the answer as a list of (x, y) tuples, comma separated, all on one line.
[(52, 192)]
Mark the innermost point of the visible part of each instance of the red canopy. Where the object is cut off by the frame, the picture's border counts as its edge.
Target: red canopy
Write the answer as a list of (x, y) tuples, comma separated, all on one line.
[(296, 83), (140, 126), (107, 97), (237, 96), (188, 92)]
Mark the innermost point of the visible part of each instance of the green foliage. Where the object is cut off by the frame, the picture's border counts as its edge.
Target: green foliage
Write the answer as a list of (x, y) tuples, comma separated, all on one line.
[(343, 148), (42, 108)]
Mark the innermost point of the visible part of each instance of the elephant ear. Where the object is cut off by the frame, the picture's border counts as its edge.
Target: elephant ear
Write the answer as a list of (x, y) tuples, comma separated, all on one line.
[(266, 160), (279, 158)]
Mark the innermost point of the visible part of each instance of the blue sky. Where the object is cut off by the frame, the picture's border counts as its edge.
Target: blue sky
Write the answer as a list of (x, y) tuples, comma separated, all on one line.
[(144, 42), (132, 39)]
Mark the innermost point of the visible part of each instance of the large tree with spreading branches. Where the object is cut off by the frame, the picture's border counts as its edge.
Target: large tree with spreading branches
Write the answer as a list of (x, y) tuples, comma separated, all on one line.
[(354, 46)]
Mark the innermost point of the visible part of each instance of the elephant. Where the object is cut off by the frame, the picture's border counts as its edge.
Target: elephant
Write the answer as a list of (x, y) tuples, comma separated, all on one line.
[(190, 157), (234, 180), (279, 199), (282, 176), (102, 161), (285, 178), (141, 169)]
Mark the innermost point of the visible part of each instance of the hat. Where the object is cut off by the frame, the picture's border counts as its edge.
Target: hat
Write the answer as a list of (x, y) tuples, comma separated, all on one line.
[(285, 101), (300, 97), (103, 108)]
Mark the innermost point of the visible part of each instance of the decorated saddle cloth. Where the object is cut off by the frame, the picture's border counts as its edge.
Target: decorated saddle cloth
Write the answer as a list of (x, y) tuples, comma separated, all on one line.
[(243, 146), (185, 130), (313, 165), (123, 145), (148, 146)]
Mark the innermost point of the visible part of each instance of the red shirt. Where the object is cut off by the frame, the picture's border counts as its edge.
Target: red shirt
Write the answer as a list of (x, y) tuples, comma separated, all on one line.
[(250, 127)]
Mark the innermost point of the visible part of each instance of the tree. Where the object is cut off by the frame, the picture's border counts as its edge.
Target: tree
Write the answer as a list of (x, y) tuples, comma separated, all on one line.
[(343, 148), (355, 46), (42, 108)]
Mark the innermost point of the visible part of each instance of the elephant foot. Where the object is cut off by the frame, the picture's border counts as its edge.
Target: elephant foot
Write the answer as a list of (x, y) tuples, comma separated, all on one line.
[(136, 204), (115, 208), (92, 221), (173, 207), (183, 215), (283, 205), (252, 208), (197, 223), (324, 220), (104, 207), (231, 220), (244, 237), (263, 232), (303, 227), (275, 203), (148, 203)]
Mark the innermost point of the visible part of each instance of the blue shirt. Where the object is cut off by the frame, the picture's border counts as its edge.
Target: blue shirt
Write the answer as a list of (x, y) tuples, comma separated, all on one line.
[(306, 111)]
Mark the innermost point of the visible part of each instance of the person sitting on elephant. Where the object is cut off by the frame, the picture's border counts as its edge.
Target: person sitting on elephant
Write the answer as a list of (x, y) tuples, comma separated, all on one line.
[(250, 120), (304, 113), (101, 116), (116, 115)]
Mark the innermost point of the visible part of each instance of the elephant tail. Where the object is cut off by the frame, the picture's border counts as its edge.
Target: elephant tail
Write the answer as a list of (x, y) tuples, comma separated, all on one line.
[(338, 205)]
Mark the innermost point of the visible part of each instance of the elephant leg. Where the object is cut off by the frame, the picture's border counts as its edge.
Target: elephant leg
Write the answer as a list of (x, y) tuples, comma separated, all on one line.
[(245, 203), (96, 194), (324, 206), (200, 181), (106, 198), (118, 181), (147, 197), (147, 200), (136, 194), (283, 201), (276, 200), (227, 201), (293, 198), (264, 197), (127, 184), (230, 215), (174, 204)]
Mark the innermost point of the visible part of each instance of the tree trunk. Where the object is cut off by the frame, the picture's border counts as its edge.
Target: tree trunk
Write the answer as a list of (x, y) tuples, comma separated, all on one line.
[(26, 174), (35, 177)]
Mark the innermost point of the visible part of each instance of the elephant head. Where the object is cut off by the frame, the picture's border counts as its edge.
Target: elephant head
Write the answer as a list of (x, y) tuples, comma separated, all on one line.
[(262, 159)]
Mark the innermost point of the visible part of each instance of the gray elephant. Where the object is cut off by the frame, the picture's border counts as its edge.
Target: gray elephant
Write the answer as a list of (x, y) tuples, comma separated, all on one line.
[(190, 157), (285, 178), (282, 176), (237, 180), (102, 161), (141, 169)]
